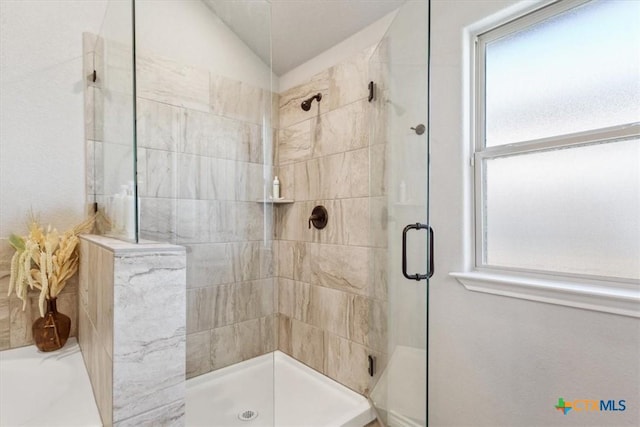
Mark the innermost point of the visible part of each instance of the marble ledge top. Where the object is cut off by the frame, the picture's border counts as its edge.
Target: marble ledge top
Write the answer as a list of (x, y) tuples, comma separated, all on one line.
[(122, 247)]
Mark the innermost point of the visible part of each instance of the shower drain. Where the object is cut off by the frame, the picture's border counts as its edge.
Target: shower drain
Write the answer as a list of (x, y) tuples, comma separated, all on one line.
[(247, 415)]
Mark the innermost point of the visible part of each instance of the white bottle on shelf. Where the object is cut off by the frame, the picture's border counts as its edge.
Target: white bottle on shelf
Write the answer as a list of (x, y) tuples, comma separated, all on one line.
[(129, 212), (118, 218), (276, 188)]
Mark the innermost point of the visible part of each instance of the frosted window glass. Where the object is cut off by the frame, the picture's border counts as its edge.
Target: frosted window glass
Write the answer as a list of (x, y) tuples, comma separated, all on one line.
[(573, 210), (577, 71)]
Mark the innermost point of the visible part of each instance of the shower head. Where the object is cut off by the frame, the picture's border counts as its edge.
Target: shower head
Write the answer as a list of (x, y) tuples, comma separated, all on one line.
[(306, 104)]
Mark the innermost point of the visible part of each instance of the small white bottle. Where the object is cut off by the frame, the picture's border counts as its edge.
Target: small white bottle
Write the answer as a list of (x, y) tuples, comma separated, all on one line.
[(129, 212), (118, 219), (276, 188)]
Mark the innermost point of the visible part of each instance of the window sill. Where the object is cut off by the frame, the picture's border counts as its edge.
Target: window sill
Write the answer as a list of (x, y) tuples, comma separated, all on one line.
[(608, 297)]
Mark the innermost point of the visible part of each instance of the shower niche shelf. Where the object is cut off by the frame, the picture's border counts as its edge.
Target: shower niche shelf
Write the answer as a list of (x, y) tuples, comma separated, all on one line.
[(275, 201)]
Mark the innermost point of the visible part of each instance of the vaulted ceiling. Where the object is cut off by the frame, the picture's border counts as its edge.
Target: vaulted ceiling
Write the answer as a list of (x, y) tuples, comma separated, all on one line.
[(299, 29)]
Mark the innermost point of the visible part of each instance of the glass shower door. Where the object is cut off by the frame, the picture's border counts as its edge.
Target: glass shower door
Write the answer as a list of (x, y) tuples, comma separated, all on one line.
[(111, 143), (399, 179)]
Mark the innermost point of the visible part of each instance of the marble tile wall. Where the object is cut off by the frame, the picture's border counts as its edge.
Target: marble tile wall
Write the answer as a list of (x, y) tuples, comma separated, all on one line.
[(204, 160), (133, 329), (15, 323), (332, 298), (204, 157)]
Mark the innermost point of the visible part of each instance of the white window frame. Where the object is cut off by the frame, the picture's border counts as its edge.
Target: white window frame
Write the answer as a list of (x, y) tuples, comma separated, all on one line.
[(608, 294)]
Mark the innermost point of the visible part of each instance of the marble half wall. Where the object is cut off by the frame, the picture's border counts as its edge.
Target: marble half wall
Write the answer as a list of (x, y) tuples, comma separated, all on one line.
[(132, 329)]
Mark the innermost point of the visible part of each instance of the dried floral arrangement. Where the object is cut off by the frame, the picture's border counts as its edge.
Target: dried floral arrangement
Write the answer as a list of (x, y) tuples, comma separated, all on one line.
[(45, 260)]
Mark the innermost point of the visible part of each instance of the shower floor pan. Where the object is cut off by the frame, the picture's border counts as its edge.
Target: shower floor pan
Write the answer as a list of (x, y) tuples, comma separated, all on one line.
[(273, 390)]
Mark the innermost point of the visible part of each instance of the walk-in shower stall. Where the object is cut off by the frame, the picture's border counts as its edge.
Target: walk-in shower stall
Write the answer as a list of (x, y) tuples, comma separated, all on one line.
[(294, 315)]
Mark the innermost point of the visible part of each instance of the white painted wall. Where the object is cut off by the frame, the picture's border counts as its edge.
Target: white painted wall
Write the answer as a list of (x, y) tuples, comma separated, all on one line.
[(190, 33), (496, 360), (41, 110), (368, 36)]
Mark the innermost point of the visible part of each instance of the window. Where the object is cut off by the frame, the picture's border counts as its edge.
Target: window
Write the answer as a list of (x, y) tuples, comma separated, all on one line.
[(557, 151)]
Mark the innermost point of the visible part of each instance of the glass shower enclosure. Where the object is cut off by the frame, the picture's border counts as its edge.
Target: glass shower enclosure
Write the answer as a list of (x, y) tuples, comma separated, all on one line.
[(181, 148), (110, 123), (204, 166), (399, 177)]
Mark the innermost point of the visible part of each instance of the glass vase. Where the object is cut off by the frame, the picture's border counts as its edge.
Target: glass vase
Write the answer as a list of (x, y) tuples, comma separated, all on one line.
[(51, 332)]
